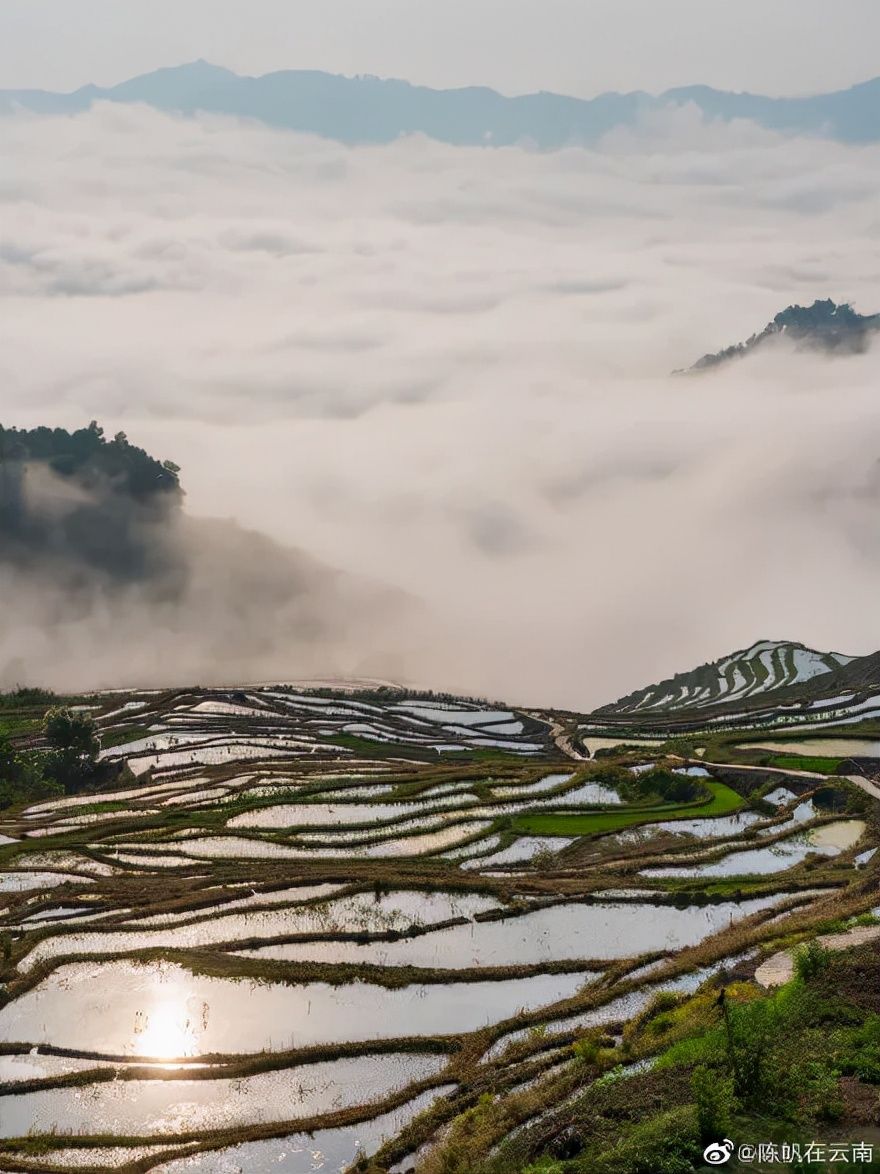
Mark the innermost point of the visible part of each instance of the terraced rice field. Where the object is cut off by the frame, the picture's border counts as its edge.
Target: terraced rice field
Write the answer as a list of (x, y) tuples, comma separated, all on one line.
[(767, 665), (304, 930)]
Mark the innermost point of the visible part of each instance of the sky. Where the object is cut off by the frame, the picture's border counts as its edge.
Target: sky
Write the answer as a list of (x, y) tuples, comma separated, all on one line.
[(447, 370), (580, 47)]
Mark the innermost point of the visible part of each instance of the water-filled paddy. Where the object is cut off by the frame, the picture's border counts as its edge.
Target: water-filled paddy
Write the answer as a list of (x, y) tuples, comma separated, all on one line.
[(570, 931), (398, 830), (547, 783), (829, 840), (151, 860), (524, 849), (330, 836), (588, 795), (477, 848), (458, 717), (20, 882), (223, 905), (326, 1150), (367, 791), (361, 912), (713, 827), (836, 837), (780, 796), (58, 806), (594, 744), (96, 1159), (822, 747), (334, 814), (19, 1068), (218, 847), (56, 913), (195, 797), (181, 1106), (68, 861), (163, 1011)]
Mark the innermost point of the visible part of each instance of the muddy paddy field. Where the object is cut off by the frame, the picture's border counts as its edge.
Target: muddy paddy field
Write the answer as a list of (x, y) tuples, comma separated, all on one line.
[(312, 931)]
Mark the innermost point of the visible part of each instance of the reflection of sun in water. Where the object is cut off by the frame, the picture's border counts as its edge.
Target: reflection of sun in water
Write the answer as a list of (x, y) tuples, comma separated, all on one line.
[(169, 1027)]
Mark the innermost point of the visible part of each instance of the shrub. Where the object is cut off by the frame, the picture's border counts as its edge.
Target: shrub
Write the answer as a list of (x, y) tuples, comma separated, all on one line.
[(751, 1031), (862, 1059), (715, 1100), (586, 1050), (663, 784), (821, 1093), (666, 1144), (660, 1023), (683, 747), (810, 960)]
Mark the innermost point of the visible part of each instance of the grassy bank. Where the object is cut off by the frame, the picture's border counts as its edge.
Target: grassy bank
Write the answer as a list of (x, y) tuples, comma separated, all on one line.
[(723, 801), (787, 1067)]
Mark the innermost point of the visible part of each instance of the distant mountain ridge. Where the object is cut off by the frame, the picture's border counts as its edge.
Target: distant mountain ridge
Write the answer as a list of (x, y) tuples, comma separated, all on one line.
[(824, 326), (375, 110)]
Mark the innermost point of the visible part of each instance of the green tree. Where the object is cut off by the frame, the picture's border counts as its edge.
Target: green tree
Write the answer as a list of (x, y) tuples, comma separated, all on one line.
[(21, 775), (75, 746), (71, 731)]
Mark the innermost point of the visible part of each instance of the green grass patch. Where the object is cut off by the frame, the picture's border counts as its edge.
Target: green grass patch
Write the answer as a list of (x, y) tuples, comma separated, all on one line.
[(816, 764), (723, 801), (17, 726)]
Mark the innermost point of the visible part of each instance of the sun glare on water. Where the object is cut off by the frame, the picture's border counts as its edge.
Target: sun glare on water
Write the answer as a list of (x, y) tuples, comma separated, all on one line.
[(169, 1028)]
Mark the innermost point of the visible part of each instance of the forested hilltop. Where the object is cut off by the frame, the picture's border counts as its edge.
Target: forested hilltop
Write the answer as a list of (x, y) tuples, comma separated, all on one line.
[(823, 326), (84, 503), (106, 578), (86, 457)]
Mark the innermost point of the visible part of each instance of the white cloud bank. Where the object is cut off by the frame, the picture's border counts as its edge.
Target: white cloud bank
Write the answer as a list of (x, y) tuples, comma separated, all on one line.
[(447, 369)]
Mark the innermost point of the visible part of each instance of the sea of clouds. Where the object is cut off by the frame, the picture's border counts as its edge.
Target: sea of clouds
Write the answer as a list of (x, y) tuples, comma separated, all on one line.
[(449, 371)]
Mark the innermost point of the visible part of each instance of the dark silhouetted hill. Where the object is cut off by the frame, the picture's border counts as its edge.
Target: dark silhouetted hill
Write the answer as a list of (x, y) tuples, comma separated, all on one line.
[(824, 326)]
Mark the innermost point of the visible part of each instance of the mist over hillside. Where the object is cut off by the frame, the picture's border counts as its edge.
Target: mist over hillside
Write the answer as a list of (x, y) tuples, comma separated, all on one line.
[(105, 578)]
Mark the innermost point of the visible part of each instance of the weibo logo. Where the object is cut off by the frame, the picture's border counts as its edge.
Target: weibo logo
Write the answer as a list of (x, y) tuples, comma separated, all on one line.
[(718, 1152)]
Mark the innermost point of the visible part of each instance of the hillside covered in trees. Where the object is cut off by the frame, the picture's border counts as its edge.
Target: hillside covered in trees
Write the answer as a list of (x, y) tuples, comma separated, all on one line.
[(85, 502), (106, 578), (86, 456), (824, 326)]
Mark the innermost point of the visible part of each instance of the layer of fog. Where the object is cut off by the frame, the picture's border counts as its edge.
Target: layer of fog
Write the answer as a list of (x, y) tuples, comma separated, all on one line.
[(99, 587), (446, 370)]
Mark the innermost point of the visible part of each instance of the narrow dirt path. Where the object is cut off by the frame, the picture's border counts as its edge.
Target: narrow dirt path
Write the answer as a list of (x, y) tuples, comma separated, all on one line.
[(563, 741), (779, 968), (866, 785), (559, 736)]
